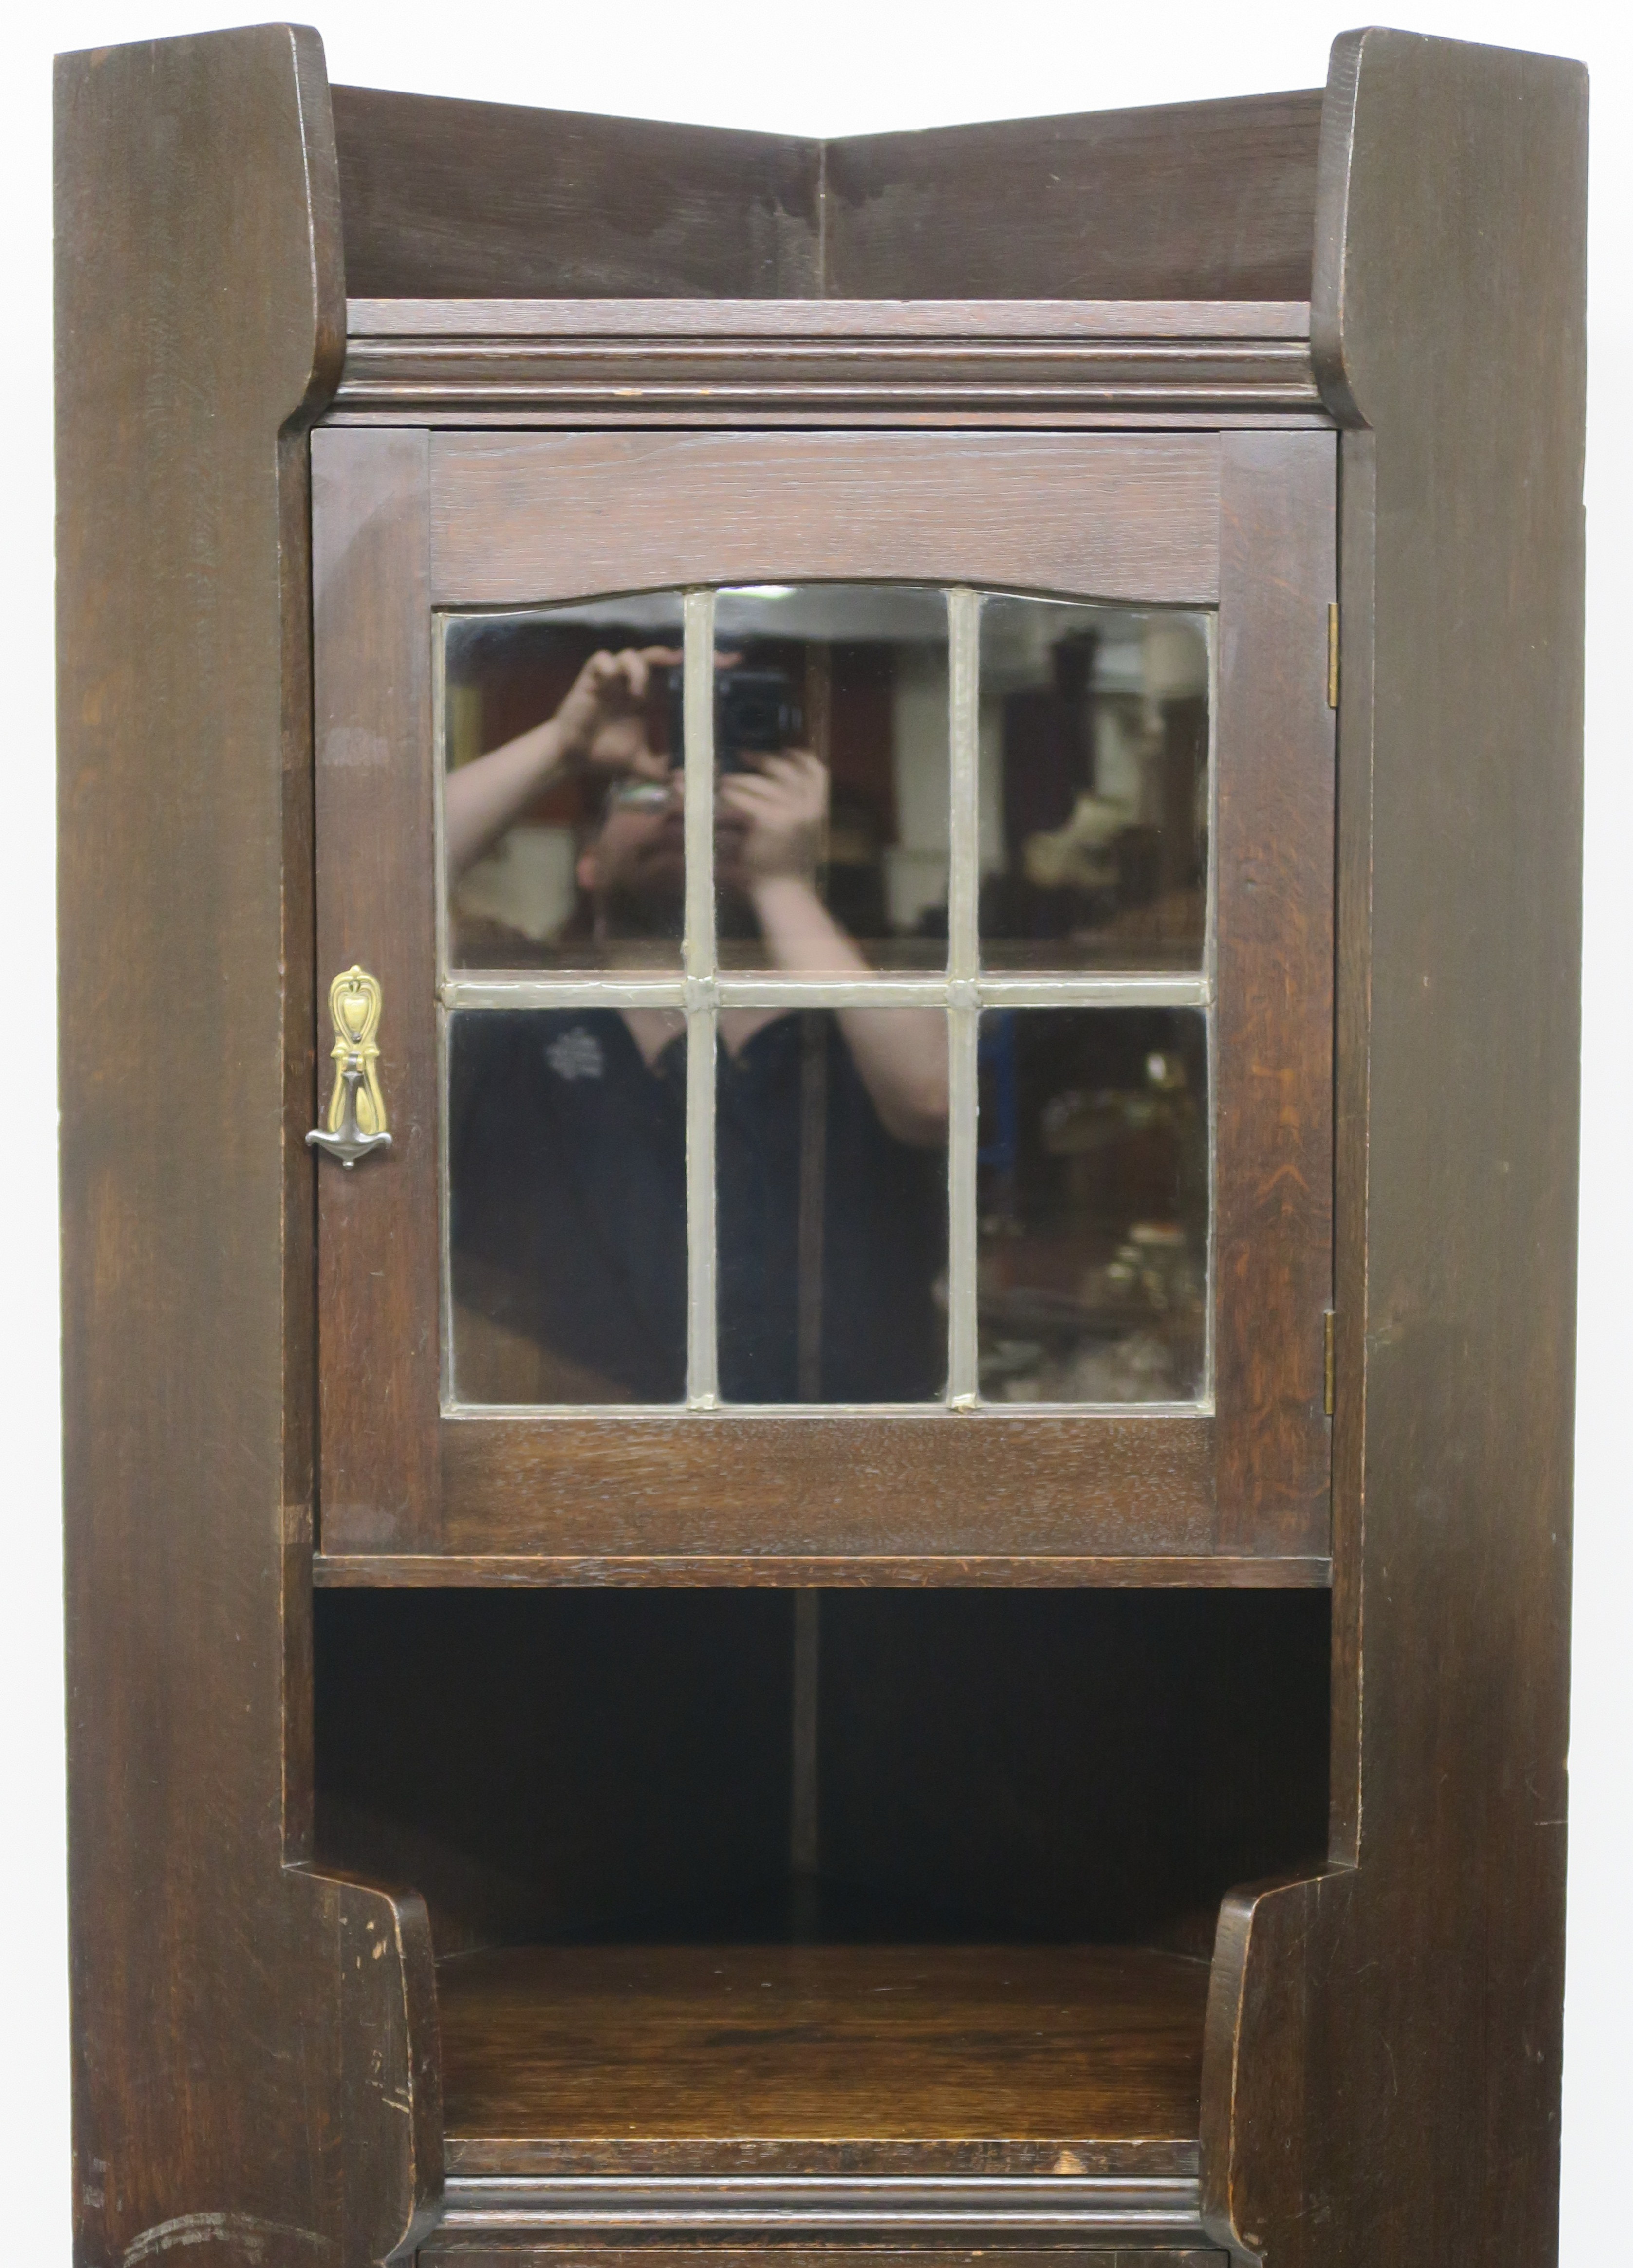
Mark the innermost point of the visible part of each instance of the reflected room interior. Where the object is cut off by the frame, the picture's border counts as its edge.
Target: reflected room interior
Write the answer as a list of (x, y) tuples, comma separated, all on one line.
[(573, 1233)]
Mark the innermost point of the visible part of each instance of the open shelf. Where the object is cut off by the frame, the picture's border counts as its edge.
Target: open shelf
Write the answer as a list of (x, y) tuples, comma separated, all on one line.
[(1058, 2059), (898, 1887)]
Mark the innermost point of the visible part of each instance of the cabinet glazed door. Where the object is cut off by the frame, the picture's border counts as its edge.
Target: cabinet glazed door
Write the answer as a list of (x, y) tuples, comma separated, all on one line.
[(905, 1155)]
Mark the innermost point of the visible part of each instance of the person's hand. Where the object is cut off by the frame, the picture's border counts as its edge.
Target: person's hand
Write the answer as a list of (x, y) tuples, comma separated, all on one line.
[(781, 809), (603, 722)]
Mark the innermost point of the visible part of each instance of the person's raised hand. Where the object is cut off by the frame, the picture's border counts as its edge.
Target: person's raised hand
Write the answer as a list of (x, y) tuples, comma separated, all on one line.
[(603, 719), (781, 809)]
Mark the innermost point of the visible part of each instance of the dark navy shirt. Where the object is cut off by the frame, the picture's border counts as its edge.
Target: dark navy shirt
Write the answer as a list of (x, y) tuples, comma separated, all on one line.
[(567, 1156)]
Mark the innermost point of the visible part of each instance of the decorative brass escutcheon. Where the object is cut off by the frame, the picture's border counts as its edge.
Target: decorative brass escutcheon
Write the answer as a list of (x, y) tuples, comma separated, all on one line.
[(354, 1125)]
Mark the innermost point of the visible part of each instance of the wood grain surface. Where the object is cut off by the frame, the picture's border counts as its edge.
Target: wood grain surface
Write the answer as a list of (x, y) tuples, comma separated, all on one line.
[(519, 518), (445, 197), (886, 1487), (447, 1570), (1181, 201), (1202, 201), (379, 1227), (1059, 363), (253, 2056), (1273, 1187), (825, 2043), (1385, 2042), (541, 516), (524, 2249)]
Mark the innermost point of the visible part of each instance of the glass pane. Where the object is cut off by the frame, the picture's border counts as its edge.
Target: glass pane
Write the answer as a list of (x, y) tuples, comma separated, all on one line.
[(1093, 1199), (567, 1205), (831, 1162), (832, 756), (561, 803), (1094, 786)]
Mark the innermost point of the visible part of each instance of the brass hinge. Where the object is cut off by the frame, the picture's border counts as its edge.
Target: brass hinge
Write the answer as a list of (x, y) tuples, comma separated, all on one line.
[(1332, 655), (1329, 1359)]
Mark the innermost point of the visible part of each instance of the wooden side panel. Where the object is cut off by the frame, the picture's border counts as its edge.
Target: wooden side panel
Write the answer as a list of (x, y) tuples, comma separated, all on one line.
[(547, 517), (469, 200), (252, 2078), (1187, 200), (378, 1237), (1393, 2033), (1274, 833)]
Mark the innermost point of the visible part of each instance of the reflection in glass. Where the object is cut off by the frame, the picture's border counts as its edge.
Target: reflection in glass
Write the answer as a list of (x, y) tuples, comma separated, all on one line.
[(561, 805), (1094, 786), (567, 1205), (1093, 1203), (831, 1160), (831, 751)]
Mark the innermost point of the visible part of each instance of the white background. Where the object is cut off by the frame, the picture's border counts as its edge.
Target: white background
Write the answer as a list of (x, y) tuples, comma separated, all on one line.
[(836, 67)]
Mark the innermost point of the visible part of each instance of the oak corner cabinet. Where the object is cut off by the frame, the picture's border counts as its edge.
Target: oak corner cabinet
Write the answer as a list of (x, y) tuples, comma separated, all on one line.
[(819, 934)]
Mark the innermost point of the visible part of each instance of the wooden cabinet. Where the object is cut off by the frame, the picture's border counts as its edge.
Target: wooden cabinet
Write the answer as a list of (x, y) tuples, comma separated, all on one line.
[(878, 1560)]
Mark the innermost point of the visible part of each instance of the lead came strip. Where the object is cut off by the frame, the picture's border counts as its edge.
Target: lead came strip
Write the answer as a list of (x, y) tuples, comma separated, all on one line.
[(963, 630), (702, 1359), (1158, 989)]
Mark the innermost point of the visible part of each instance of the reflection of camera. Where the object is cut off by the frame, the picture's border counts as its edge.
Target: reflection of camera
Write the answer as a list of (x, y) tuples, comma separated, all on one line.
[(757, 713)]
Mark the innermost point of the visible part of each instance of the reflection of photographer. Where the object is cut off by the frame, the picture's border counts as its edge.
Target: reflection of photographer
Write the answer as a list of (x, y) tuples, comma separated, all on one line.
[(599, 1277), (770, 815)]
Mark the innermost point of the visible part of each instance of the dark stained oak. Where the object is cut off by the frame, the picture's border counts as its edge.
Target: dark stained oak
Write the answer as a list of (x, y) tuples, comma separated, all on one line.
[(1058, 2045), (523, 2250), (445, 1570), (454, 199), (1181, 201), (518, 519), (445, 198), (1398, 2016), (378, 1238), (255, 2068), (542, 516), (853, 1487), (973, 363), (1273, 1181), (1074, 1676)]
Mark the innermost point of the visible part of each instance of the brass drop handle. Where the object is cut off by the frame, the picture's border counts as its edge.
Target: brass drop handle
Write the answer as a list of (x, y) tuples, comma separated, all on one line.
[(354, 1125)]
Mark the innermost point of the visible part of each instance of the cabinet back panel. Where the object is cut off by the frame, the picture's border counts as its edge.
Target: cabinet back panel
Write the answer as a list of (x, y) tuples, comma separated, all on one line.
[(619, 1766)]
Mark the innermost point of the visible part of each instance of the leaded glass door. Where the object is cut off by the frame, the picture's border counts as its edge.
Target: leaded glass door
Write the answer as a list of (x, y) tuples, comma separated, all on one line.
[(854, 919)]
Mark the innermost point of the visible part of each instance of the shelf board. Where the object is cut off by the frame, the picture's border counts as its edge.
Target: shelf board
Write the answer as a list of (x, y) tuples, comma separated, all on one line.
[(339, 1571), (690, 2060)]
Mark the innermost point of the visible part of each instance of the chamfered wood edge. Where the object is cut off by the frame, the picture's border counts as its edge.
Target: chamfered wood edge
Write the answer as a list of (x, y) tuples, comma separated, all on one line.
[(197, 243), (1258, 1948), (436, 1570)]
